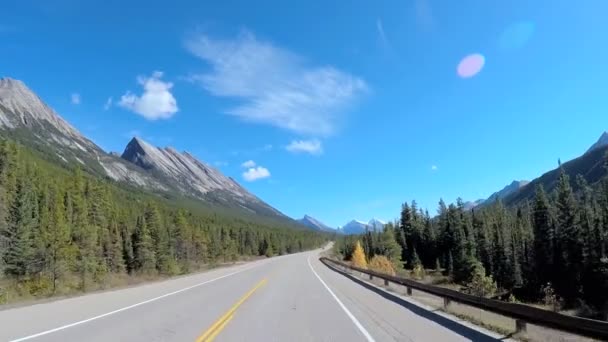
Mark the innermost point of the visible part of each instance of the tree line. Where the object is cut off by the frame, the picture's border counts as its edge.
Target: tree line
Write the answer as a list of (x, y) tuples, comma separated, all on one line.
[(65, 230), (554, 243)]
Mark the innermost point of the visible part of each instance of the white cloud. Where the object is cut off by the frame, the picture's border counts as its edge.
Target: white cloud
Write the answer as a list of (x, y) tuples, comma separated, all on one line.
[(434, 168), (249, 163), (108, 103), (276, 86), (313, 147), (256, 173), (156, 102), (75, 98)]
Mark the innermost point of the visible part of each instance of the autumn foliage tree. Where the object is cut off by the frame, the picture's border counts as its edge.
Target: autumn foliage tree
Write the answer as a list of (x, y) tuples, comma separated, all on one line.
[(358, 259)]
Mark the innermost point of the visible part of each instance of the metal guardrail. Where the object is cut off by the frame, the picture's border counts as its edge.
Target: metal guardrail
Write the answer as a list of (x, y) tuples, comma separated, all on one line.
[(521, 313)]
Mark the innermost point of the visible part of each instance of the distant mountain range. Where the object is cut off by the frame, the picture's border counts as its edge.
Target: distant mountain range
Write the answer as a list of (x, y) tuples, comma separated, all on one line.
[(360, 227), (27, 119), (350, 228)]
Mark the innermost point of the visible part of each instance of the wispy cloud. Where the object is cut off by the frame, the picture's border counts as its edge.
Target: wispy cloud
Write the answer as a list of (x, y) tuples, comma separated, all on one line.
[(108, 103), (249, 163), (255, 173), (156, 102), (75, 98), (381, 35), (434, 168), (276, 86), (313, 146), (424, 14)]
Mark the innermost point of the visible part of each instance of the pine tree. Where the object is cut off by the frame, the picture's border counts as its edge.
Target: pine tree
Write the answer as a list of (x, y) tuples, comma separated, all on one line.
[(588, 220), (569, 242), (388, 246), (143, 248), (428, 244), (18, 233), (544, 239), (59, 241)]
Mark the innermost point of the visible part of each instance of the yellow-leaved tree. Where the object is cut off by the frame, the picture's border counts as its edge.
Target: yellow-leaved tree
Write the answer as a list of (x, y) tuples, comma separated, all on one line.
[(358, 258), (380, 263)]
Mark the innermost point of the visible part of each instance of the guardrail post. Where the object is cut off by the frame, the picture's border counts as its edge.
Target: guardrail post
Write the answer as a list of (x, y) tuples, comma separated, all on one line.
[(446, 303), (520, 326), (385, 282), (371, 277), (409, 291)]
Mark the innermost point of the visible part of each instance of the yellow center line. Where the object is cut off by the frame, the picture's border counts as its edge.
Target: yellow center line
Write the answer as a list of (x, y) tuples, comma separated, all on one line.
[(221, 323)]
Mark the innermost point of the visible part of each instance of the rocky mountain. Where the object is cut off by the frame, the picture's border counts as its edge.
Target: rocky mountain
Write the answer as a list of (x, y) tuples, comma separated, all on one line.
[(193, 177), (513, 187), (315, 224), (376, 224), (601, 142), (468, 205), (507, 190), (590, 165), (360, 227), (27, 119)]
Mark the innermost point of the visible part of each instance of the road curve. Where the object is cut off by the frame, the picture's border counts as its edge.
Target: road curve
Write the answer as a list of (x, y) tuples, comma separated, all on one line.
[(287, 298)]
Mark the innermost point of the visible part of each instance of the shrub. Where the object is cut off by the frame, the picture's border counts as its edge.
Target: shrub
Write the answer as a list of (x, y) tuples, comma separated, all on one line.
[(380, 263), (550, 298), (480, 284), (418, 271)]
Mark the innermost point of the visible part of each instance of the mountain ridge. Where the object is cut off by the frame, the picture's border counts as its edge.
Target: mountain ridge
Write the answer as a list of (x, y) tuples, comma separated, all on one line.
[(25, 117), (315, 224)]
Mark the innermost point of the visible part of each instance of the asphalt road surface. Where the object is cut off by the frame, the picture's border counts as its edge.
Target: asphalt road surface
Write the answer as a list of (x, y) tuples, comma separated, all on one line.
[(288, 298)]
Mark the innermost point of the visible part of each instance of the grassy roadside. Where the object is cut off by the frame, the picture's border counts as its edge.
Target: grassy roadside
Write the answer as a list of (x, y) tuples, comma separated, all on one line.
[(11, 297)]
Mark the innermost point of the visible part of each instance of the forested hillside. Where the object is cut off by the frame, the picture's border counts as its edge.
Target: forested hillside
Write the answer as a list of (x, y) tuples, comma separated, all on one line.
[(590, 166), (553, 246), (63, 231)]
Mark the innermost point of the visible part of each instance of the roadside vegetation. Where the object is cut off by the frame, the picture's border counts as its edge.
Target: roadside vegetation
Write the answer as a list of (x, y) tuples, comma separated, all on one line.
[(65, 231), (549, 251)]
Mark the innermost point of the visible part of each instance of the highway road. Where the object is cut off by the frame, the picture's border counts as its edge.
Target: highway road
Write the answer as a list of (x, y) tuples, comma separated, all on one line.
[(287, 298)]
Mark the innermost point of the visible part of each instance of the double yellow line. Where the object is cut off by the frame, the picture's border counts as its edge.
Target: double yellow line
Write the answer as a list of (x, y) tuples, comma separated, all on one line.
[(219, 325)]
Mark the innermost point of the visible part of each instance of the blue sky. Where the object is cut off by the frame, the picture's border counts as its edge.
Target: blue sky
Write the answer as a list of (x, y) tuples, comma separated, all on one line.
[(342, 109)]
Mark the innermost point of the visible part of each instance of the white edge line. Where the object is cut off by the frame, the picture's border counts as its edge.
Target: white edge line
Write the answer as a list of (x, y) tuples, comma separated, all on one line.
[(127, 307), (350, 315)]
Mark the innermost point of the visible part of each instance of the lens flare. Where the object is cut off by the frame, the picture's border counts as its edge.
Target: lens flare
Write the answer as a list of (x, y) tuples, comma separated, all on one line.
[(471, 65), (516, 35)]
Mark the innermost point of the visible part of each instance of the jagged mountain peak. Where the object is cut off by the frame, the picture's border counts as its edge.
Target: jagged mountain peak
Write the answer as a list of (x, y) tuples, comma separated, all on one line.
[(315, 224), (601, 142), (192, 176), (7, 82)]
